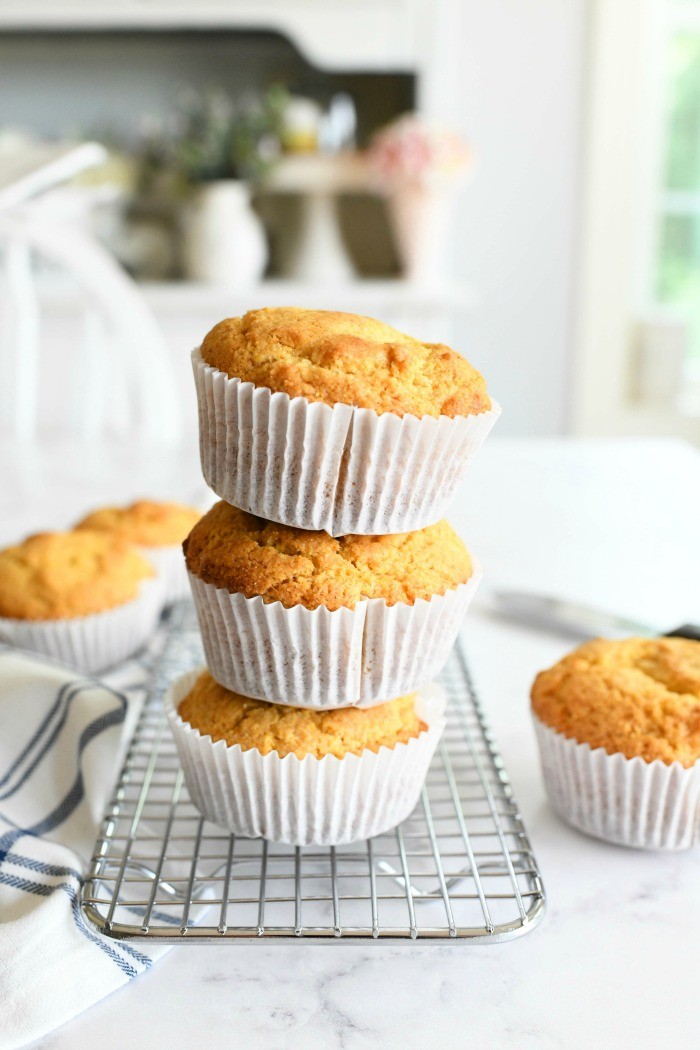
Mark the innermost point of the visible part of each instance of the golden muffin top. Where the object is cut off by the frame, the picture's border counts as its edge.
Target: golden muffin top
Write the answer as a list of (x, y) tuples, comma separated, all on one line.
[(59, 575), (146, 522), (244, 554), (640, 696), (344, 358), (224, 715)]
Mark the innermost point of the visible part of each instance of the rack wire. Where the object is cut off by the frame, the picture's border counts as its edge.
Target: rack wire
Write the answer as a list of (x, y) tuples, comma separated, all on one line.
[(461, 867)]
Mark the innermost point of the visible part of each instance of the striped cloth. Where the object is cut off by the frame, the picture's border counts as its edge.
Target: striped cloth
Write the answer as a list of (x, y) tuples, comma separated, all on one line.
[(62, 740)]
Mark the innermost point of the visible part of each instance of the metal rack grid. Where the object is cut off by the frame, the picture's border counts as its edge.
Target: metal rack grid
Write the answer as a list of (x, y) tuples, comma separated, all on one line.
[(460, 867)]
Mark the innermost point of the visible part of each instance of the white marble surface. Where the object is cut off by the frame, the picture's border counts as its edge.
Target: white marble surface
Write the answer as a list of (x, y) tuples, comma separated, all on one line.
[(615, 962)]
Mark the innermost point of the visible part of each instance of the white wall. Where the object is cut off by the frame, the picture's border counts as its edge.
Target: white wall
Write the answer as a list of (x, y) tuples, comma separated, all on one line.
[(519, 68)]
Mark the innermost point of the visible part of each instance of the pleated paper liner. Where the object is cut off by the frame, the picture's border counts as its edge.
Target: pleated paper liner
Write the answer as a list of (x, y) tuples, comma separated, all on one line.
[(308, 801), (341, 469), (324, 659), (646, 805), (91, 644)]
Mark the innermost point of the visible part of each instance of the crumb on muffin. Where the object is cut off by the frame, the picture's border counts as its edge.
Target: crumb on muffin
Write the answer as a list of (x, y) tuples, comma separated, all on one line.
[(637, 697), (147, 523), (60, 575), (232, 549), (224, 715), (341, 358)]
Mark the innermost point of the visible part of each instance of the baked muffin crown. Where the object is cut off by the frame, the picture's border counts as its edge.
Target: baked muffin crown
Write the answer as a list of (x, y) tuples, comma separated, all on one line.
[(244, 554), (148, 523), (341, 358), (225, 715), (638, 697), (58, 575)]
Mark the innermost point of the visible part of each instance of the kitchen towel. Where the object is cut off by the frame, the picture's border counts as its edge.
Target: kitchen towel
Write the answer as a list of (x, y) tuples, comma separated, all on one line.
[(62, 740)]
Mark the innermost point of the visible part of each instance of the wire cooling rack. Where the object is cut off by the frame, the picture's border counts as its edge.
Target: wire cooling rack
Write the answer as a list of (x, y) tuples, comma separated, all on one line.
[(460, 867)]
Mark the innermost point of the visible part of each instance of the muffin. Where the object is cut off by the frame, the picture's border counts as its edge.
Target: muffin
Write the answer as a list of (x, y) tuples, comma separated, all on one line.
[(299, 776), (340, 358), (618, 725), (87, 598), (333, 421), (223, 715), (311, 620), (158, 529)]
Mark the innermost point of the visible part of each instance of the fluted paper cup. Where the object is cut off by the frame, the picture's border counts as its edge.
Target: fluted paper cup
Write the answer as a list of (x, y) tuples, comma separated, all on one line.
[(93, 643), (323, 659), (308, 801), (169, 563), (336, 468), (646, 805)]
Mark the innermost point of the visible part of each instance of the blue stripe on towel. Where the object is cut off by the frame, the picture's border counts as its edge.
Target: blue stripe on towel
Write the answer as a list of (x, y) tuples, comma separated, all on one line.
[(64, 809), (40, 729), (32, 864), (53, 870), (41, 890), (70, 695), (45, 736), (60, 708)]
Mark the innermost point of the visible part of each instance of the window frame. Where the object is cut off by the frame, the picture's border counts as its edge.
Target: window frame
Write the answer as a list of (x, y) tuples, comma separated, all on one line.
[(622, 162)]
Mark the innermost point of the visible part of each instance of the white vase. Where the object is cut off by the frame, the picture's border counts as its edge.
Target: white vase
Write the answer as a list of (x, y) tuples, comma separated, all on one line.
[(224, 240), (419, 217)]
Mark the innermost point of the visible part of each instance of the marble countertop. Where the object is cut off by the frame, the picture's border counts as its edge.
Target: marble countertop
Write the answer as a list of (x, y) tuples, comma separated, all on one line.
[(615, 961)]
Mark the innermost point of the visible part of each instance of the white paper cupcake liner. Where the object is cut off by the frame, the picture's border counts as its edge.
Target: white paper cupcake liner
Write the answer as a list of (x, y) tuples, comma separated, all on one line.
[(647, 805), (169, 563), (322, 659), (340, 469), (91, 644), (309, 801)]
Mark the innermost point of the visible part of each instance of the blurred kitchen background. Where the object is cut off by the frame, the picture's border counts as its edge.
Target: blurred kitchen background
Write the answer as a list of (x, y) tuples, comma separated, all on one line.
[(518, 178)]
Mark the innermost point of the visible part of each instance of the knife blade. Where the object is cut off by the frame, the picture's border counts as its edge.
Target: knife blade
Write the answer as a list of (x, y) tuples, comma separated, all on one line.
[(577, 619)]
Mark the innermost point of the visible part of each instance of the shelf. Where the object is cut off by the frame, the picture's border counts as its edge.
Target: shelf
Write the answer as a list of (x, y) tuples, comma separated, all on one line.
[(375, 295), (335, 173), (185, 303)]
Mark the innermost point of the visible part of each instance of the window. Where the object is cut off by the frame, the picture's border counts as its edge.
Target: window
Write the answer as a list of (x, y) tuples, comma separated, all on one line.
[(675, 277), (636, 359)]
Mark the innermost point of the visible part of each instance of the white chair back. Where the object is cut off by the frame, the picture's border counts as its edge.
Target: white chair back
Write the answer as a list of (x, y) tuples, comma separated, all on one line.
[(115, 358)]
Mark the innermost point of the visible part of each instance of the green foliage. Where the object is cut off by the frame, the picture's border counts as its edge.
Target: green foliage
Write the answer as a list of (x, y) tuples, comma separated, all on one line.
[(678, 265), (217, 139), (678, 275), (683, 151)]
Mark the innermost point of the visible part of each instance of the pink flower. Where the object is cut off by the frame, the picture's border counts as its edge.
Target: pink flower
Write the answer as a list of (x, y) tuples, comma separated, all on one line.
[(412, 150)]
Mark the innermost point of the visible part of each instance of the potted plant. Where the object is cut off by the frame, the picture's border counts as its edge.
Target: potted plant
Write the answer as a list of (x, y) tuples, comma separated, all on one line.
[(418, 166), (220, 150)]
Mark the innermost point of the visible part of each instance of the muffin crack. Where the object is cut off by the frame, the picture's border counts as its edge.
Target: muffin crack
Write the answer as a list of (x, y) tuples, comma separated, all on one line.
[(638, 697)]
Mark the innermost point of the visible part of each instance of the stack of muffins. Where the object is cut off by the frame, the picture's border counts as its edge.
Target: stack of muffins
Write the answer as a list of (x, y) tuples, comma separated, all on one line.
[(328, 590)]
